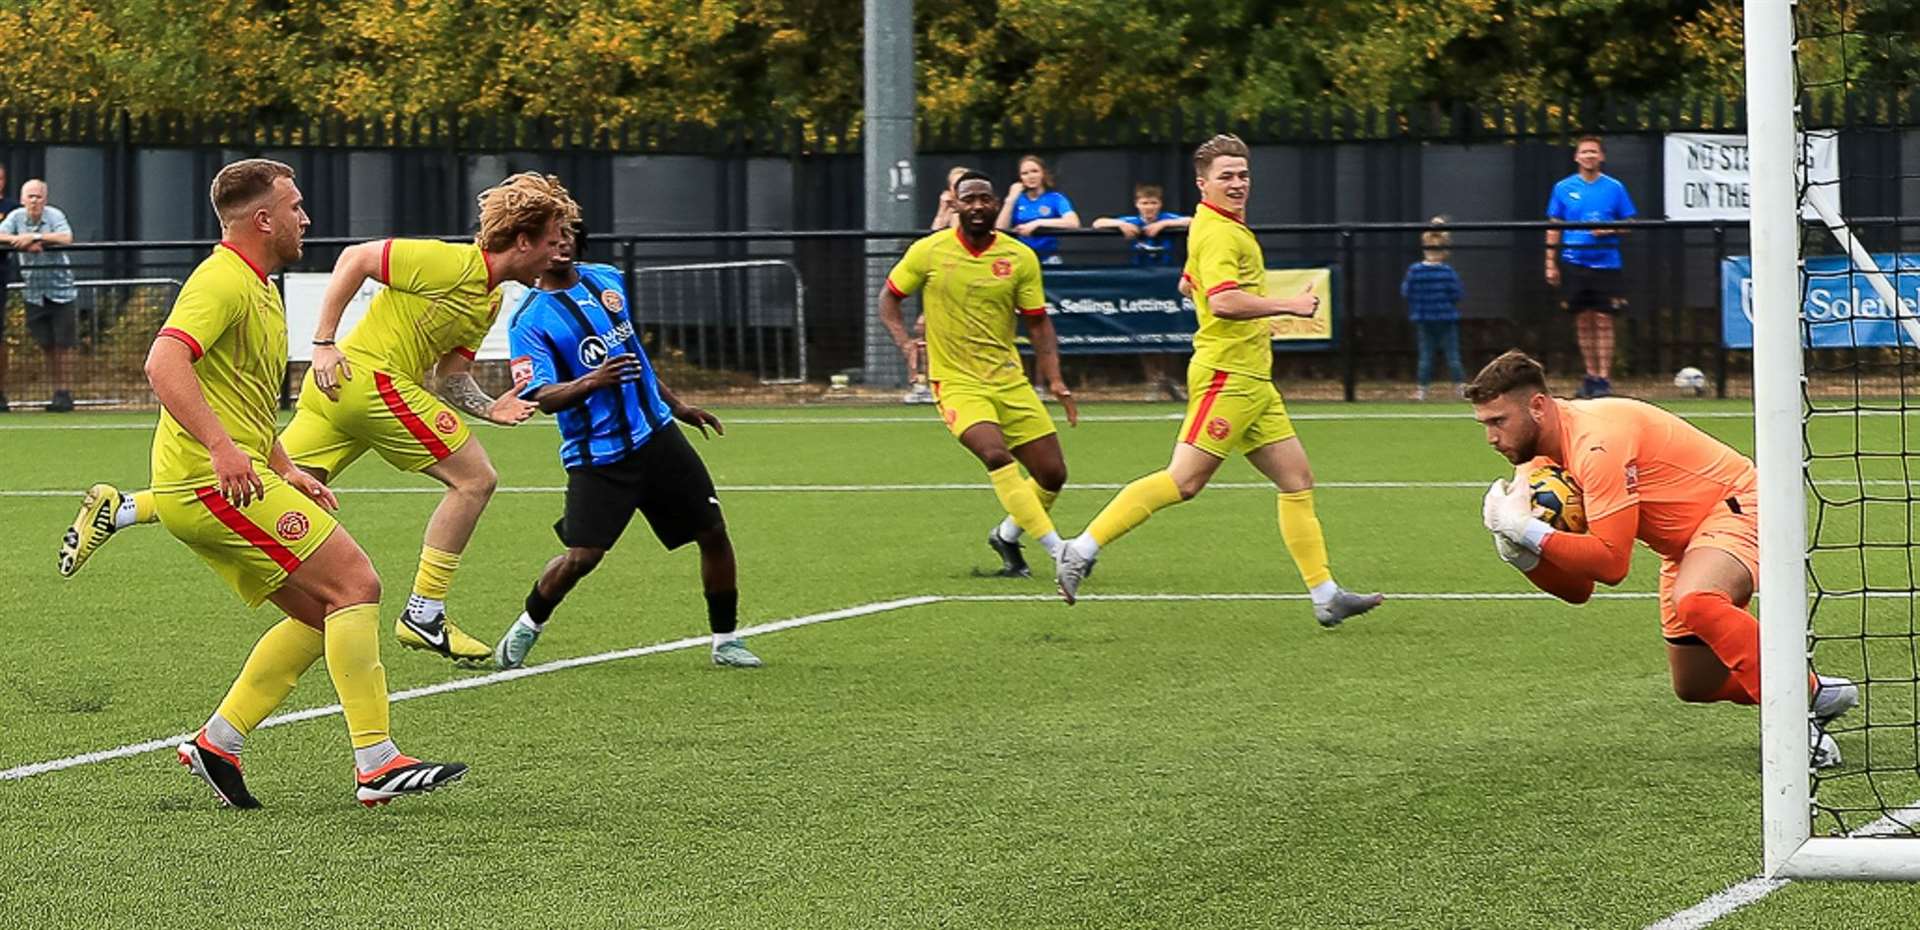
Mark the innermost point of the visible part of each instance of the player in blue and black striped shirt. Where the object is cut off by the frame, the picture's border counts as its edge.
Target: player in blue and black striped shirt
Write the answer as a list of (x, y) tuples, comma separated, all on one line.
[(576, 355)]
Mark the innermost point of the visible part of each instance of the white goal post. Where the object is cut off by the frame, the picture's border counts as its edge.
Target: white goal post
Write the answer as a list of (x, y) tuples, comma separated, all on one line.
[(1791, 848)]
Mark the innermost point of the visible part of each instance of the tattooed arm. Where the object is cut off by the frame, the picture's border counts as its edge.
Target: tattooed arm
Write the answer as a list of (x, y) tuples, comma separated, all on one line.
[(457, 387)]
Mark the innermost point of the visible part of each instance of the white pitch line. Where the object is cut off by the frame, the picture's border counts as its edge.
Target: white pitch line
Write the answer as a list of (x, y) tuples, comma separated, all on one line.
[(861, 488), (1259, 596), (1720, 904), (898, 487), (1739, 895), (860, 610), (929, 419), (477, 681)]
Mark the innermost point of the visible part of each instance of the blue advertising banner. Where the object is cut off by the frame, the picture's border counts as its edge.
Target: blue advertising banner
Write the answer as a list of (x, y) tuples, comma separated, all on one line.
[(1141, 310), (1842, 308)]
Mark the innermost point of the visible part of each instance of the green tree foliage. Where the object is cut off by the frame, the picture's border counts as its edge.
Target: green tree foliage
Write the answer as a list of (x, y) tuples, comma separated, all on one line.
[(716, 61)]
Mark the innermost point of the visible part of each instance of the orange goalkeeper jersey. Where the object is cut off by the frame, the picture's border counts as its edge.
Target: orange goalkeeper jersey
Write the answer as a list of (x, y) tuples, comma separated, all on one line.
[(1623, 452)]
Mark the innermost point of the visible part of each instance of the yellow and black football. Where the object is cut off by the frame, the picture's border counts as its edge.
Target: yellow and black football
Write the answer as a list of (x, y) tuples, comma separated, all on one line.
[(1556, 499)]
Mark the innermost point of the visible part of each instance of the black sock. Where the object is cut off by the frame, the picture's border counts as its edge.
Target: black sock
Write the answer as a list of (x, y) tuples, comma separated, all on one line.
[(723, 610), (538, 607)]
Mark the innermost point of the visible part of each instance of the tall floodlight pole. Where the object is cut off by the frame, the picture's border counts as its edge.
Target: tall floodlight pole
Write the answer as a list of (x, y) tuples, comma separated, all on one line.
[(887, 143)]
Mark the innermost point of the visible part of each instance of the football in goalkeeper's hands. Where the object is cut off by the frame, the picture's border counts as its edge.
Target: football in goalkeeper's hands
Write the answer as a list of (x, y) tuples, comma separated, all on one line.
[(1556, 499)]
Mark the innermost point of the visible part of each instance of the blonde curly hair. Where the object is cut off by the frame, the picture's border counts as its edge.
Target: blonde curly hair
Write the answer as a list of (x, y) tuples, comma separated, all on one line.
[(523, 204)]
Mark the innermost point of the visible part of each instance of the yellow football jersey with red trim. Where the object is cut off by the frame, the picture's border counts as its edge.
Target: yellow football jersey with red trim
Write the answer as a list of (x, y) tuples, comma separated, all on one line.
[(232, 319), (436, 301), (970, 300), (1222, 254)]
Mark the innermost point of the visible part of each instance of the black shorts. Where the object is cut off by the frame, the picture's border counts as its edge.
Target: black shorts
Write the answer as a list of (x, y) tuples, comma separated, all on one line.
[(1583, 288), (54, 324), (664, 480)]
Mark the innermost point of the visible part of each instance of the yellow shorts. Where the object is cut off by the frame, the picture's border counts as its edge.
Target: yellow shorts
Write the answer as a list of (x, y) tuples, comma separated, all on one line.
[(404, 422), (253, 548), (1230, 412), (1015, 407), (1737, 533)]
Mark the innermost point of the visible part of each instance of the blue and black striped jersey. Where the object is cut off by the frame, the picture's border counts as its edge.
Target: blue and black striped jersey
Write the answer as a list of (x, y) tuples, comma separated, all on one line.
[(558, 336)]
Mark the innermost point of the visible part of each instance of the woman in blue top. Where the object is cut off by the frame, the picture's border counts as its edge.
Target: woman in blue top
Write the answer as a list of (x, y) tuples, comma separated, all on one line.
[(1033, 205)]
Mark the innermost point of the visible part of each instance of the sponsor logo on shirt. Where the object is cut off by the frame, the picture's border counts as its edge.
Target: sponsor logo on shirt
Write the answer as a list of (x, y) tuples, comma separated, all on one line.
[(292, 526), (593, 349), (612, 300), (1633, 477), (1003, 268)]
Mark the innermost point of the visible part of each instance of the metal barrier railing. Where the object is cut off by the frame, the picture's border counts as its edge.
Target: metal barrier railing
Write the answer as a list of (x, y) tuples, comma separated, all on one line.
[(734, 315), (117, 319)]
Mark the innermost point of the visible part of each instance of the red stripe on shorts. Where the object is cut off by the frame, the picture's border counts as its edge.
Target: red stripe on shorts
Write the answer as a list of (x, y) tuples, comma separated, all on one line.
[(236, 521), (408, 418), (1206, 406)]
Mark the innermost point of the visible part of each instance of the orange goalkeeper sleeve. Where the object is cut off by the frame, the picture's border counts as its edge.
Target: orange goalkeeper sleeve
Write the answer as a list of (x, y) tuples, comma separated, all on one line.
[(1603, 553)]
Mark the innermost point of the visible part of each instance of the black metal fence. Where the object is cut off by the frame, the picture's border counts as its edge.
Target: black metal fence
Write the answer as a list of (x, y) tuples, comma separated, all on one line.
[(773, 317), (123, 177)]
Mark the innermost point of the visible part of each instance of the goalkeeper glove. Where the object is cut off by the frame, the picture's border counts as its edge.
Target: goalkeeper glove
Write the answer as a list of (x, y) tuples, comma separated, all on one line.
[(1508, 511), (1513, 554)]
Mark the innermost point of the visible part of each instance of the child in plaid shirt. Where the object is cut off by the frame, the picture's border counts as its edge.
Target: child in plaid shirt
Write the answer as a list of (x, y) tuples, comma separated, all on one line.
[(1433, 293)]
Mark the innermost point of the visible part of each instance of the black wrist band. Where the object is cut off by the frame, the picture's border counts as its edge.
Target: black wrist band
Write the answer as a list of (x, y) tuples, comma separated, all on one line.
[(323, 342)]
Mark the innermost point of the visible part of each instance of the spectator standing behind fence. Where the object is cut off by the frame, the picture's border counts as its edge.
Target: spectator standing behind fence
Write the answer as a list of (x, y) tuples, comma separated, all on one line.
[(1588, 267), (1433, 293), (1033, 207), (51, 318), (7, 205), (1147, 226), (944, 214)]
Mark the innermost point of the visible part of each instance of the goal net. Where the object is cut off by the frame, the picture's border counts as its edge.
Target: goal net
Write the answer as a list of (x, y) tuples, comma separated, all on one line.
[(1837, 422)]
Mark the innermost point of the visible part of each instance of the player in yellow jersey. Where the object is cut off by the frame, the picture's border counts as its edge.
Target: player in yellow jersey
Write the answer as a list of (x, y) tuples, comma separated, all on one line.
[(226, 488), (369, 392), (1233, 405), (973, 283)]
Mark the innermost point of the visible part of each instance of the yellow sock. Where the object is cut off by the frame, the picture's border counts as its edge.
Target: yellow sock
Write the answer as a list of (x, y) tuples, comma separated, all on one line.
[(1046, 497), (275, 664), (1018, 498), (435, 576), (1133, 505), (1301, 530), (353, 659), (143, 511)]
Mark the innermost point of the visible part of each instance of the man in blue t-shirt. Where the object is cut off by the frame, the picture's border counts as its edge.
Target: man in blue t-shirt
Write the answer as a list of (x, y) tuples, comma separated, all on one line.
[(1587, 269), (576, 355), (1147, 226)]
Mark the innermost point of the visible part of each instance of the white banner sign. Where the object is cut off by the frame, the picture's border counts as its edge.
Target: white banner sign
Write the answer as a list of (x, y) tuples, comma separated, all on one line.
[(1707, 177), (303, 314)]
